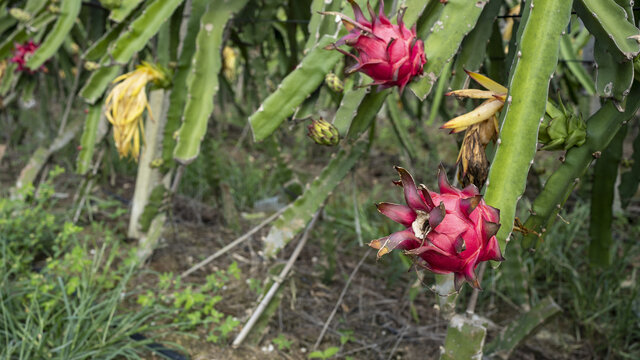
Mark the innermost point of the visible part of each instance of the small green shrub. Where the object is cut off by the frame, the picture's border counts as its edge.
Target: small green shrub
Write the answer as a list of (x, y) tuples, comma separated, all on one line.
[(61, 295)]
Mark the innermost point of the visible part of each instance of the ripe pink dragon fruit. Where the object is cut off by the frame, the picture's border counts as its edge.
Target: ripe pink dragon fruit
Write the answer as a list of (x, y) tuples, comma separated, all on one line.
[(20, 55), (447, 232), (390, 54)]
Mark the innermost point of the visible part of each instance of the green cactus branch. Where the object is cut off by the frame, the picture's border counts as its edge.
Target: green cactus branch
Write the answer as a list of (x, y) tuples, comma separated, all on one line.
[(178, 99), (296, 217), (601, 220), (202, 81), (474, 46), (604, 19), (24, 31), (535, 61), (630, 180), (601, 128), (294, 89), (126, 7), (137, 35), (613, 78), (521, 328), (348, 108), (91, 135), (457, 19), (69, 10), (568, 52)]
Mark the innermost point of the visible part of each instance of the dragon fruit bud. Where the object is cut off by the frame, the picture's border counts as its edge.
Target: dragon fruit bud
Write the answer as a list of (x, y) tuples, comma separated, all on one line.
[(391, 55), (334, 83), (323, 132), (450, 231)]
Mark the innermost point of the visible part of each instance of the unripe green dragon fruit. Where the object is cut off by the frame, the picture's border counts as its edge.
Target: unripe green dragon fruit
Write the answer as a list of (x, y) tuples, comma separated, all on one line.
[(561, 129)]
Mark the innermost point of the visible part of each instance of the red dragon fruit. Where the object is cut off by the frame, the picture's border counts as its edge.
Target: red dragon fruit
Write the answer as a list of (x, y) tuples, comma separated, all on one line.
[(390, 54), (20, 54), (447, 232)]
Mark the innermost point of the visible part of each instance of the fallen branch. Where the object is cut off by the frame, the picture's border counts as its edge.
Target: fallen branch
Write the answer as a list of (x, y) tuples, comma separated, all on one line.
[(233, 244), (276, 284)]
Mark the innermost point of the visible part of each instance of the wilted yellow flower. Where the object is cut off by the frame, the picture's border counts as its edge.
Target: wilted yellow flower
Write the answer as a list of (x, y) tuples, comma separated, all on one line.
[(495, 95), (229, 58), (3, 68), (125, 105), (481, 125), (508, 26)]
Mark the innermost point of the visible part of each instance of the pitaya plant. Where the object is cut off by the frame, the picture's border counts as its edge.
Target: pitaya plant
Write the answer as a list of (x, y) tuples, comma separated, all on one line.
[(447, 232), (391, 55)]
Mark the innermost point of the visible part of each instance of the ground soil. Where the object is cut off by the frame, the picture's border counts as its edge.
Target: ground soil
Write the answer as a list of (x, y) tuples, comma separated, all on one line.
[(377, 312)]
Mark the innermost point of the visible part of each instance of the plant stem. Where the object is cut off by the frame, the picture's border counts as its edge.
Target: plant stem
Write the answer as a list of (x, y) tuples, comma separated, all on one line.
[(473, 300)]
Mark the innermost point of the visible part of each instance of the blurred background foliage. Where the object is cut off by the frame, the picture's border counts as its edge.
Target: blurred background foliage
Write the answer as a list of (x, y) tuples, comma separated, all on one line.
[(78, 221)]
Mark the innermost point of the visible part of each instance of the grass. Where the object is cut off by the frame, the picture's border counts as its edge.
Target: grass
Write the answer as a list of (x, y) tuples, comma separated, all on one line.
[(62, 294), (601, 306)]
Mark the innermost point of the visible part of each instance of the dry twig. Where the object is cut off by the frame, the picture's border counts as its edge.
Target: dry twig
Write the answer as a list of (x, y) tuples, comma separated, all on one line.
[(344, 292), (276, 284), (233, 244)]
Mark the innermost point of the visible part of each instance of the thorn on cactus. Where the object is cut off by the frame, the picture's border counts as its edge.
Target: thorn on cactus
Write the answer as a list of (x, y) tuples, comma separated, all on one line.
[(391, 55), (453, 237)]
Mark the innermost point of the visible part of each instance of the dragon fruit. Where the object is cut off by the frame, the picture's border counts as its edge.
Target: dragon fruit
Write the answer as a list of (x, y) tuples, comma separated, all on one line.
[(21, 53), (390, 54), (447, 232)]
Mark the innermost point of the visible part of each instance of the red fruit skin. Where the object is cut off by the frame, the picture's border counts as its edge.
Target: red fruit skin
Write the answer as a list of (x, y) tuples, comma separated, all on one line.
[(391, 55), (460, 233), (20, 55)]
